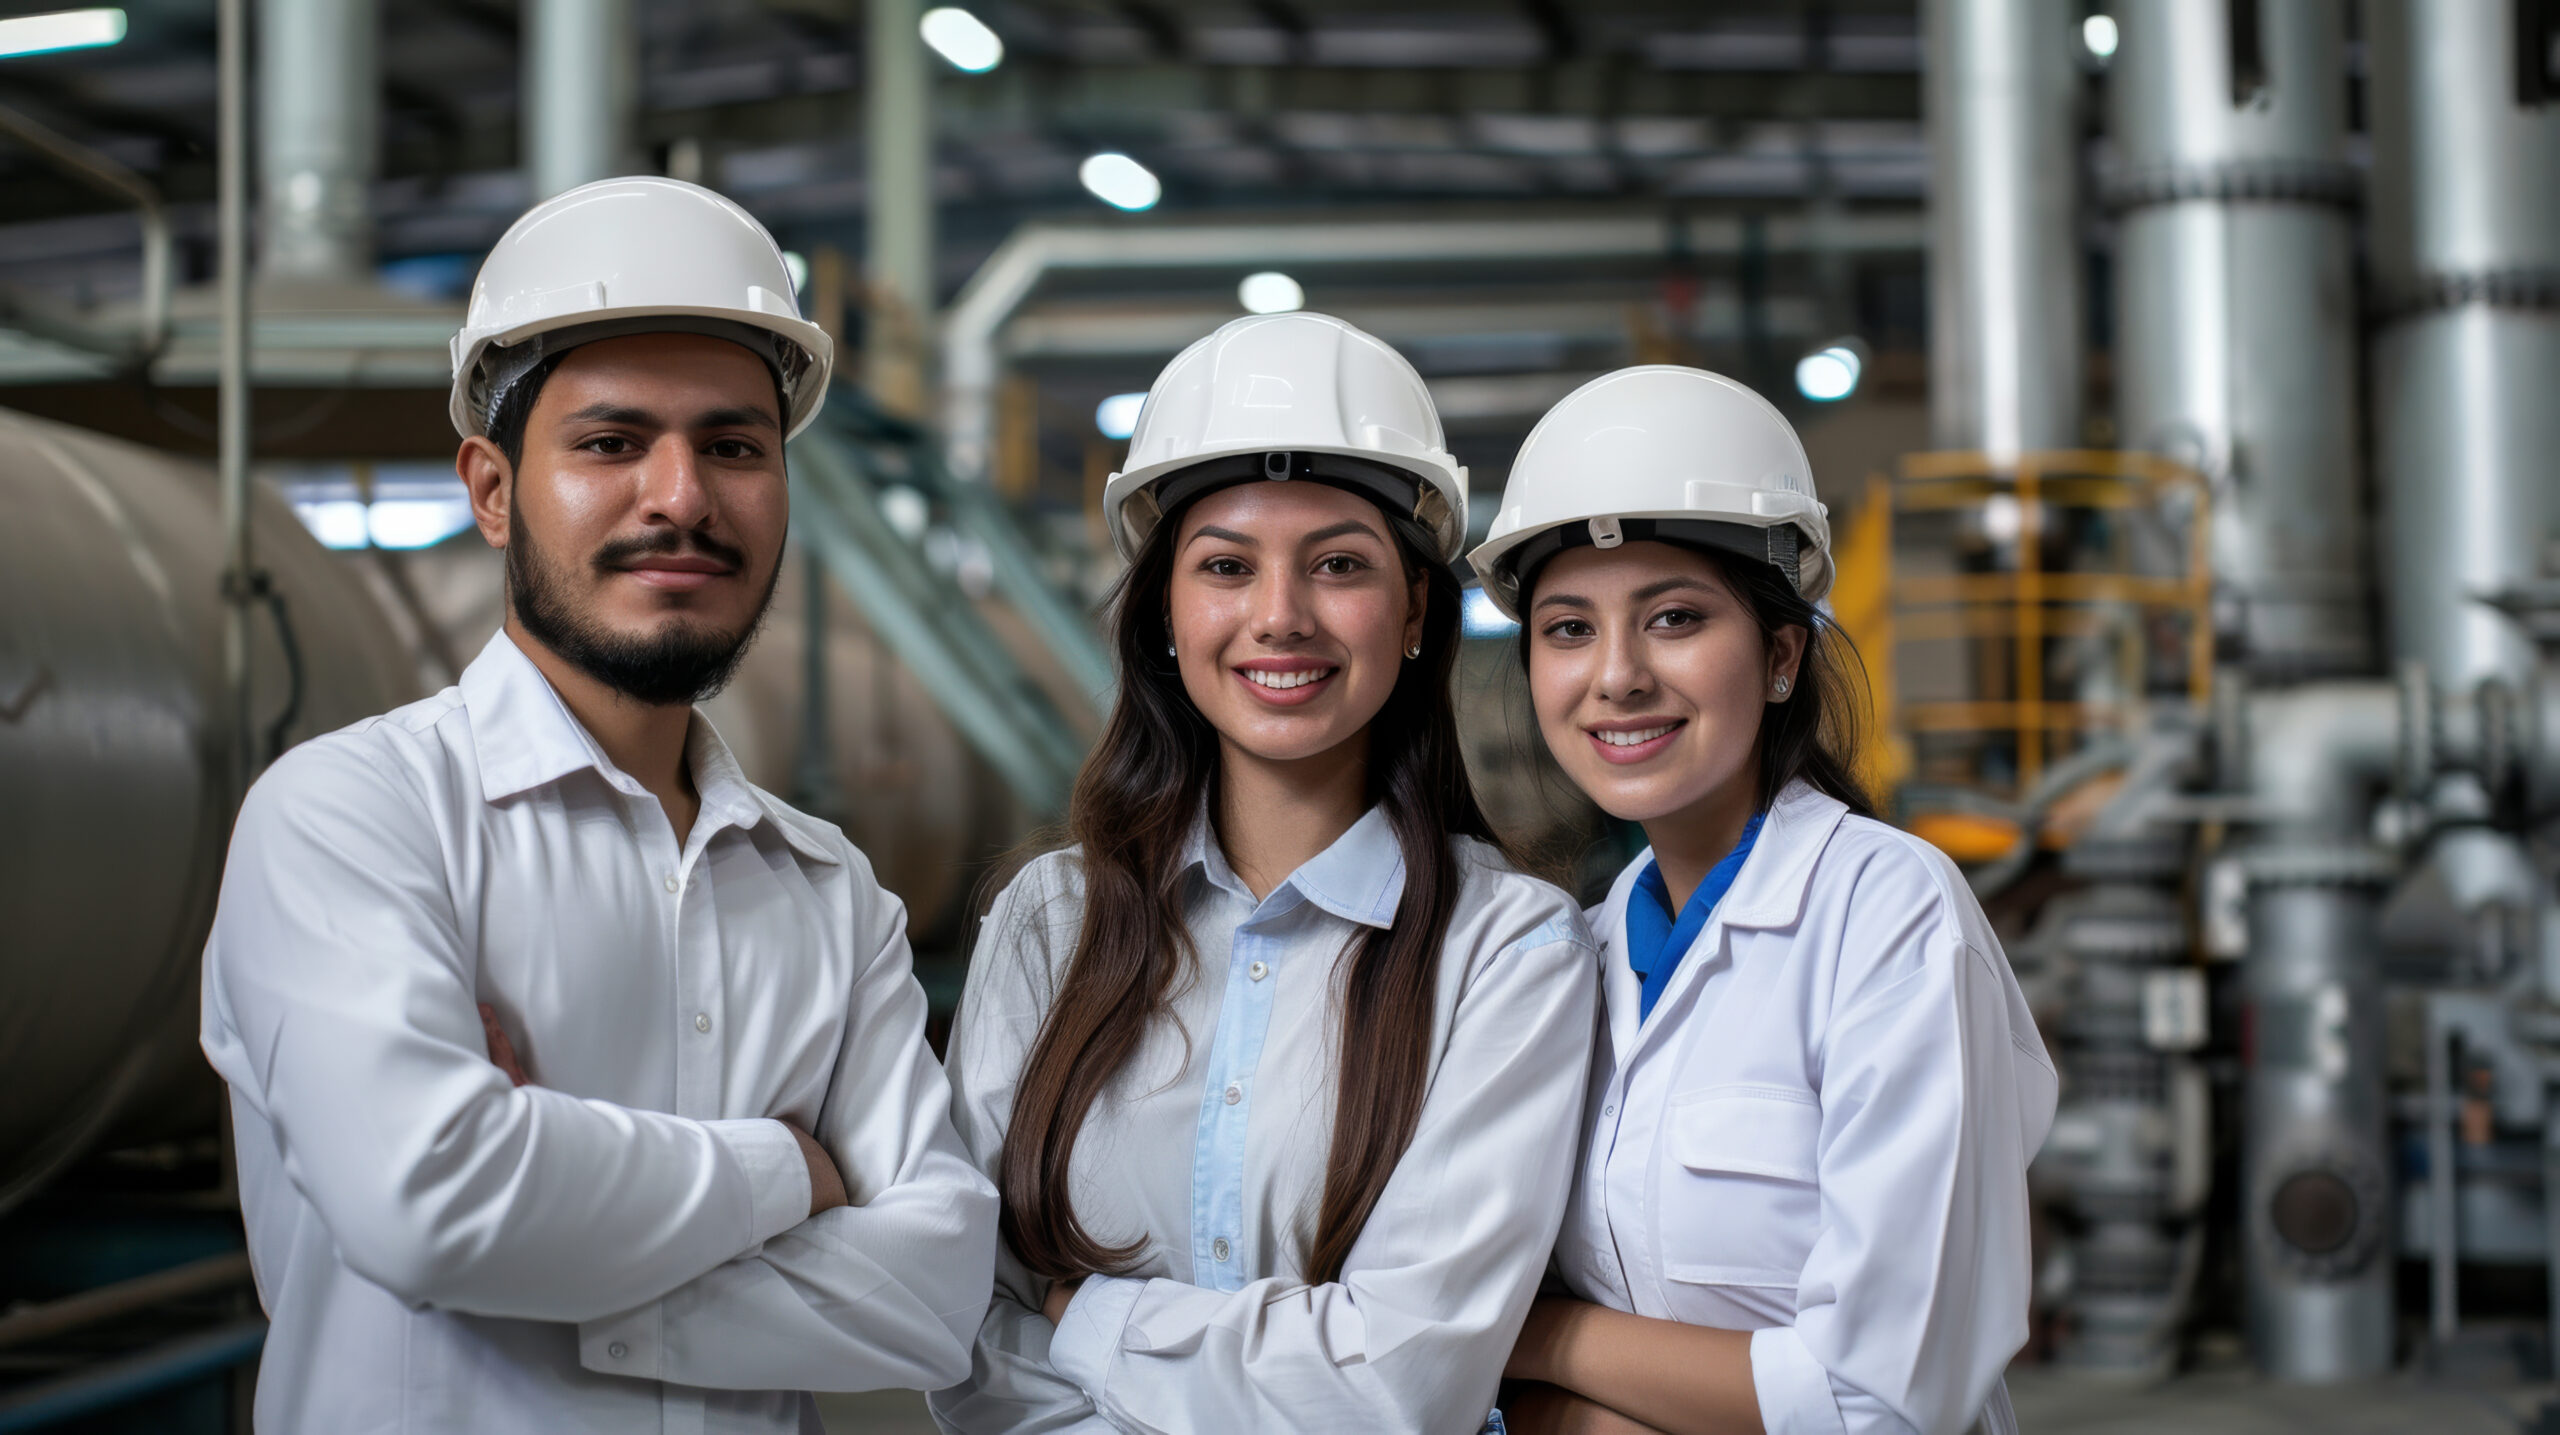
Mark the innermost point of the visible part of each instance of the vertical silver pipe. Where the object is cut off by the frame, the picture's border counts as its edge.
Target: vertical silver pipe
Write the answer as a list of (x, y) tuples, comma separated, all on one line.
[(2002, 91), (319, 105), (2236, 307), (581, 86), (2466, 260), (2444, 1228), (899, 206), (232, 413)]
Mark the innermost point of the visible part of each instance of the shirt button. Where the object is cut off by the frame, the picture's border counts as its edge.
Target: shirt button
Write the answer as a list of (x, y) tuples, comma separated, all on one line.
[(672, 884), (1234, 1095), (1608, 1111), (1259, 970), (617, 1350), (702, 1021), (1219, 1248)]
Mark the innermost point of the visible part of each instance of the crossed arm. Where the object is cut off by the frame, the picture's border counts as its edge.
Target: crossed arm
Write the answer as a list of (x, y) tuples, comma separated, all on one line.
[(1655, 1375)]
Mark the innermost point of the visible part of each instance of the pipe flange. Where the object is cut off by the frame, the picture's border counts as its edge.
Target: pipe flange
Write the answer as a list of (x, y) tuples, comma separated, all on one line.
[(2317, 866), (2317, 182), (2320, 1210), (2530, 290)]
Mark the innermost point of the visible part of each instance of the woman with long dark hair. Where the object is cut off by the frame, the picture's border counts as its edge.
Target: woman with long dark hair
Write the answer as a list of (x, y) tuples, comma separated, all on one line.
[(1802, 1204), (1277, 1068)]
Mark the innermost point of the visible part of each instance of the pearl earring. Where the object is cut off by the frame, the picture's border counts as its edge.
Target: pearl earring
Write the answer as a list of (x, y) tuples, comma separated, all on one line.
[(1782, 687), (1169, 652), (1414, 652)]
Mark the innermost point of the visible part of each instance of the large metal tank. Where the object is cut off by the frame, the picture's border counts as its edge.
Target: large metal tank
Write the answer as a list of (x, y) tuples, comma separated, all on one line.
[(2236, 306), (112, 771)]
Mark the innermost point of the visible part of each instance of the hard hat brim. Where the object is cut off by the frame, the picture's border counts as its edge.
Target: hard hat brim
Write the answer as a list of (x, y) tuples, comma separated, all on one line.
[(807, 398)]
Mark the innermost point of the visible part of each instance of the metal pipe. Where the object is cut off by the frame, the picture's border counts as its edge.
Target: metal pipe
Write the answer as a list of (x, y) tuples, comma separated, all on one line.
[(232, 401), (971, 364), (581, 63), (2466, 259), (2001, 90), (2236, 307), (102, 172), (898, 206), (320, 99), (115, 1382), (39, 1322), (2444, 1221)]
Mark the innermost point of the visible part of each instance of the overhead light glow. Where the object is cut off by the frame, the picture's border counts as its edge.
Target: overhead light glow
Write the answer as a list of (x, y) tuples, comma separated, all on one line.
[(1117, 416), (1480, 619), (798, 264), (2098, 32), (1829, 374), (1120, 181), (416, 522), (962, 38), (60, 30), (1271, 292)]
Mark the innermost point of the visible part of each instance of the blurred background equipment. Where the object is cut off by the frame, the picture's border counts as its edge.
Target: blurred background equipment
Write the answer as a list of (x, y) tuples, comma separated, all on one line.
[(2180, 375)]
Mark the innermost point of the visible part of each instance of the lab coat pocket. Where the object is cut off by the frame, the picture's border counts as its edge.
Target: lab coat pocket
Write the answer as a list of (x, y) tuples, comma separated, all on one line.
[(1741, 1198)]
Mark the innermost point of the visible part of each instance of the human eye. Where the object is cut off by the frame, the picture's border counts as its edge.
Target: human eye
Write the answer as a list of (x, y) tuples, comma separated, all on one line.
[(1225, 565), (734, 450), (610, 445), (1566, 630), (1341, 565), (1677, 620)]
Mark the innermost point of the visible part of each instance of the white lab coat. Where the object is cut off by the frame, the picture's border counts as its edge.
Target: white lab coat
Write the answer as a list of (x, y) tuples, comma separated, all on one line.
[(1821, 1133)]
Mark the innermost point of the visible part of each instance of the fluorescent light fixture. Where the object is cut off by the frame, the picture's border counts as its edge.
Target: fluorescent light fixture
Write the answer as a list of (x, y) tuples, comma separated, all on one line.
[(60, 30), (1830, 373), (337, 522), (962, 38), (2098, 32), (1117, 416), (1480, 619), (1120, 181), (1271, 292), (416, 522), (798, 264)]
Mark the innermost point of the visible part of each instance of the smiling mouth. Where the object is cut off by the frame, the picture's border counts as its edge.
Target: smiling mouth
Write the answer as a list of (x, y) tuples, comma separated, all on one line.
[(1636, 738), (1283, 682)]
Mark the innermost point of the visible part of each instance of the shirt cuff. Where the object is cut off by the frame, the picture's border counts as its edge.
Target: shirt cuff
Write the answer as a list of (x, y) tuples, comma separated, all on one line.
[(777, 1174), (1089, 1331), (1793, 1388)]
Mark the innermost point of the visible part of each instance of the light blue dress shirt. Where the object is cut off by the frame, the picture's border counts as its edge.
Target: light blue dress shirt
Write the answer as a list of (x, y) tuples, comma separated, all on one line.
[(1209, 1151)]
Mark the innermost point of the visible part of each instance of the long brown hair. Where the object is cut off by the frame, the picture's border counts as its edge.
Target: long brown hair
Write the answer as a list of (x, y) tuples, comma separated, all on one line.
[(1133, 808)]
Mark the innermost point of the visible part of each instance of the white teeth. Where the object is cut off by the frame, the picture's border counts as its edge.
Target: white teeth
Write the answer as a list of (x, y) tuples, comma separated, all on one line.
[(1636, 738), (1285, 681)]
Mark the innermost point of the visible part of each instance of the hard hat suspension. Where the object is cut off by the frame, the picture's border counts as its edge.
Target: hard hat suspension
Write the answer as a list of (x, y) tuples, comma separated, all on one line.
[(1398, 493), (1777, 545)]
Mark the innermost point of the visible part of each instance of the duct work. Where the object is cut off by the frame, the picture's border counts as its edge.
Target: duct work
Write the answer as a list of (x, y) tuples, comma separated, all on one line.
[(581, 86), (319, 117)]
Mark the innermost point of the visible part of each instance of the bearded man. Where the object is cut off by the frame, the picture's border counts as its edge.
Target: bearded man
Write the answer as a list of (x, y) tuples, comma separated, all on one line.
[(578, 1083)]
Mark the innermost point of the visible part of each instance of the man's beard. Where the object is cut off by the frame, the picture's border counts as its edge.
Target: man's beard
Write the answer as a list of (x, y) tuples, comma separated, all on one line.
[(681, 662)]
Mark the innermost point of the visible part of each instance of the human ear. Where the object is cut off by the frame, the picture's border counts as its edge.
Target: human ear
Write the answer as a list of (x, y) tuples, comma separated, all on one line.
[(1786, 658), (487, 476)]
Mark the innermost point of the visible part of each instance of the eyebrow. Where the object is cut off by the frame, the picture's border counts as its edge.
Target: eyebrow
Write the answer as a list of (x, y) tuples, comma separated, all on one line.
[(609, 412), (1645, 594), (736, 416), (741, 416), (1343, 529), (1228, 535)]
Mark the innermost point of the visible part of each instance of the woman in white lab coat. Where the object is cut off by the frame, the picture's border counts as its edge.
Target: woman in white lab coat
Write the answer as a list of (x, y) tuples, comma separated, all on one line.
[(1279, 1069), (1802, 1200)]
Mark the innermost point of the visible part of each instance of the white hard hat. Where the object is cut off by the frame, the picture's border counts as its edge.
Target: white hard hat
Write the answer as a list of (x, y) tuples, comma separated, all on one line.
[(629, 256), (1659, 451), (1289, 396)]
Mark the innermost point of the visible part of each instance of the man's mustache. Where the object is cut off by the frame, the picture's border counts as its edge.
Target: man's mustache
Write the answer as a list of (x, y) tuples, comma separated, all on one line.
[(667, 543)]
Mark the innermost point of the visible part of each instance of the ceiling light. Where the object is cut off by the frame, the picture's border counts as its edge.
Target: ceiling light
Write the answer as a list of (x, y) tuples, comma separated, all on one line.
[(1831, 372), (2098, 32), (1120, 181), (962, 38), (1270, 292), (1117, 416), (61, 30)]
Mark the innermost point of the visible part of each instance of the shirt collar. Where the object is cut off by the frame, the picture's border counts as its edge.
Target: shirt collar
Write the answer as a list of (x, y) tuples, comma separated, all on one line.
[(1360, 878), (523, 736), (1769, 891)]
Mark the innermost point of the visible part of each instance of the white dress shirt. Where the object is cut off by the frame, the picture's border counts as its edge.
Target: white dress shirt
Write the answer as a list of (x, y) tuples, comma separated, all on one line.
[(1821, 1133), (1209, 1150), (625, 1244)]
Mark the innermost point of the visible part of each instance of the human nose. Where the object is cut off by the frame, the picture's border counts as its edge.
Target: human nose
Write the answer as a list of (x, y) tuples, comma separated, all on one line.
[(671, 486), (1281, 613), (1624, 675)]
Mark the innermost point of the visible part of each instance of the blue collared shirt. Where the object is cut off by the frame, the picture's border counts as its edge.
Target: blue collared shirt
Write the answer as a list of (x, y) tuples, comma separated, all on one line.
[(1655, 941)]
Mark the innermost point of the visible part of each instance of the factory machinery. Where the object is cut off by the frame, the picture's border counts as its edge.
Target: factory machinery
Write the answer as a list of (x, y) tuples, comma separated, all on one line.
[(2304, 819)]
